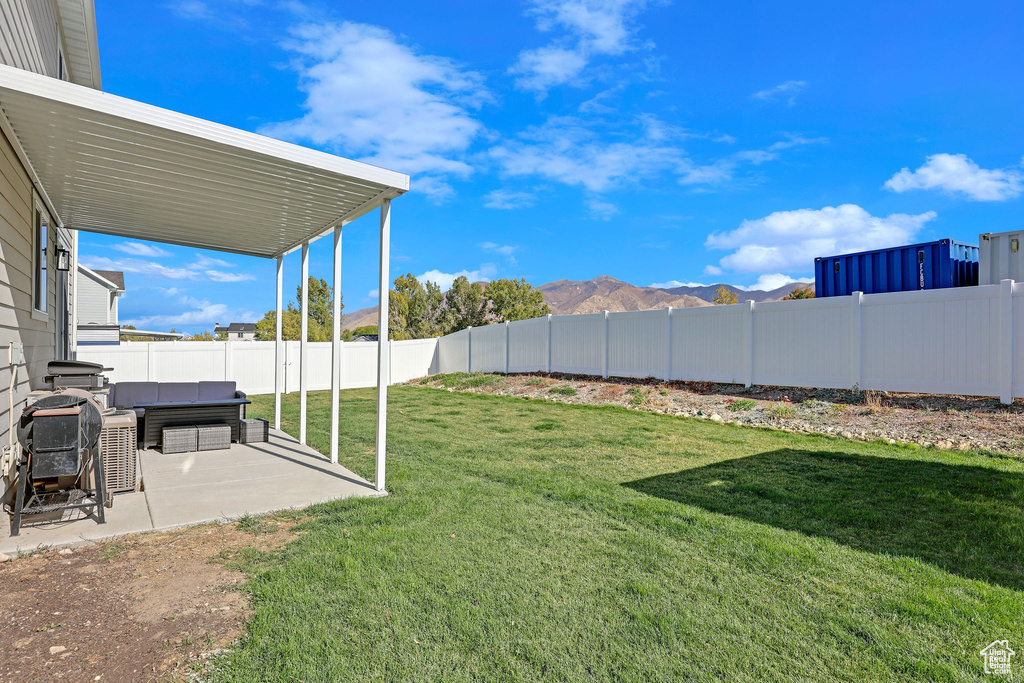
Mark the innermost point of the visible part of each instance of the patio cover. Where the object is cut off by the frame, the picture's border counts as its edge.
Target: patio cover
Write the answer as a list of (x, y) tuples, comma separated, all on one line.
[(112, 165)]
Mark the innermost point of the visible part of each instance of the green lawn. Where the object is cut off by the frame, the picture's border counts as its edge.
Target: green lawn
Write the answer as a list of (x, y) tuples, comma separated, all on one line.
[(531, 540)]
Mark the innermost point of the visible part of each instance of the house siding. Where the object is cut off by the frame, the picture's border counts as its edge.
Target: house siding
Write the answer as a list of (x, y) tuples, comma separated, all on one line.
[(94, 301), (28, 35), (17, 322)]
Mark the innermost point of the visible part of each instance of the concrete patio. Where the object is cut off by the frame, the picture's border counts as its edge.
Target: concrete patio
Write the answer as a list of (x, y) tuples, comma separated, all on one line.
[(193, 488)]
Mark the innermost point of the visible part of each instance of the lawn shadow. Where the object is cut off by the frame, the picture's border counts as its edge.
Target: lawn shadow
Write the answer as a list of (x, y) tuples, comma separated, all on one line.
[(964, 519)]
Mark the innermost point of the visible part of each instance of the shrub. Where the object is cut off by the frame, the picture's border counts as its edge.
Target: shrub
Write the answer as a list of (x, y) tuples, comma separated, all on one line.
[(637, 396), (565, 390), (782, 409), (741, 405), (536, 382)]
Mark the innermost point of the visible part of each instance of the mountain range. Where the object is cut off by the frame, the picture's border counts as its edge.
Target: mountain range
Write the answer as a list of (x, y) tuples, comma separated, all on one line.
[(605, 293)]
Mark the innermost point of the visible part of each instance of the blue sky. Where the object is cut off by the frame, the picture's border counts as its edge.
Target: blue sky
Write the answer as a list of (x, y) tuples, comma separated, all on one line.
[(657, 142)]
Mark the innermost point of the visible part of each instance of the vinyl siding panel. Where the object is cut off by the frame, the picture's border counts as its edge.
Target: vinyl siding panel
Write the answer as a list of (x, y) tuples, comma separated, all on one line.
[(28, 35), (17, 322), (93, 301)]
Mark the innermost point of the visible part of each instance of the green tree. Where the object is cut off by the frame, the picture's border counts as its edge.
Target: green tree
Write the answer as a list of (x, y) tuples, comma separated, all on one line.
[(414, 309), (724, 295), (512, 300), (199, 336), (321, 315), (464, 306), (805, 292), (366, 329)]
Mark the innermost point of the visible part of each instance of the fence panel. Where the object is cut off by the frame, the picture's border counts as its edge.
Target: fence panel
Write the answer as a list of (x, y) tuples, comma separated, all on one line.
[(412, 359), (638, 344), (453, 352), (528, 345), (938, 341), (577, 344), (809, 344), (709, 344), (489, 354)]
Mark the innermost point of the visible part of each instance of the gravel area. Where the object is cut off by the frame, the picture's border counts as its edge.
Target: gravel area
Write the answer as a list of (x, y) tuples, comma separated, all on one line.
[(944, 422)]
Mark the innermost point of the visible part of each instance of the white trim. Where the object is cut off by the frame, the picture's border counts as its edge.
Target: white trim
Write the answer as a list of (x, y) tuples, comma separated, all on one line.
[(102, 280), (62, 94), (8, 131), (383, 345)]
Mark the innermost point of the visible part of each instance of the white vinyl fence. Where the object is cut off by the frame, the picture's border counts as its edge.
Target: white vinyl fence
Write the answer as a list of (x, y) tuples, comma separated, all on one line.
[(966, 340), (250, 364)]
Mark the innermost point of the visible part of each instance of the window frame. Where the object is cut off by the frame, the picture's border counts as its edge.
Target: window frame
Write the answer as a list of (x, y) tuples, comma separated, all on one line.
[(40, 262)]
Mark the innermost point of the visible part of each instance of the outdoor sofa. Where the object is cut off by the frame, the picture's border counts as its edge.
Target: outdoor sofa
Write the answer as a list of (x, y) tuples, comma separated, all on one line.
[(178, 403)]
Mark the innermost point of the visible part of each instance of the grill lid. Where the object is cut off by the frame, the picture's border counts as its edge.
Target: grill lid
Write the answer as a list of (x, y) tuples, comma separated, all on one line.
[(74, 368)]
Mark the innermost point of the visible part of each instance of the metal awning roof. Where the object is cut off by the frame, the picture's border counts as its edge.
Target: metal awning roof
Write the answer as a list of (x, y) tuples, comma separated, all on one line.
[(112, 165)]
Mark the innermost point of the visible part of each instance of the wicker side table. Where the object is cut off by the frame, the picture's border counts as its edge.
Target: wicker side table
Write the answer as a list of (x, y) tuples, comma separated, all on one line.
[(214, 437), (253, 430), (179, 440)]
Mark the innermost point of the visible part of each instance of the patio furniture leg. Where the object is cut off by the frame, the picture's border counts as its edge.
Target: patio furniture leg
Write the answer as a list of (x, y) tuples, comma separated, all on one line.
[(19, 498)]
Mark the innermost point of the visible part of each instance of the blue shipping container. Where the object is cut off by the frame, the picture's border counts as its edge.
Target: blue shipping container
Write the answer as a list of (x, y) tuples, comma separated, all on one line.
[(931, 265)]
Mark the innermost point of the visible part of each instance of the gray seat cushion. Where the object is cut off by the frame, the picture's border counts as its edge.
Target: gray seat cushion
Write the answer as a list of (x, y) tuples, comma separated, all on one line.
[(127, 394), (179, 391), (210, 391)]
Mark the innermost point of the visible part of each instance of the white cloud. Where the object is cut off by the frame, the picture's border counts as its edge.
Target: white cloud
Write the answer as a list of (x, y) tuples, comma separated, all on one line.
[(956, 174), (196, 312), (142, 249), (770, 281), (782, 92), (503, 249), (571, 151), (444, 280), (373, 294), (672, 284), (587, 28), (220, 276), (369, 96), (602, 210), (507, 199), (792, 239)]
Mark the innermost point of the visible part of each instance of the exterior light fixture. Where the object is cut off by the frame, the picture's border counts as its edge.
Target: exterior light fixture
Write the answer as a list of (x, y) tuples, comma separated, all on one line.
[(63, 259)]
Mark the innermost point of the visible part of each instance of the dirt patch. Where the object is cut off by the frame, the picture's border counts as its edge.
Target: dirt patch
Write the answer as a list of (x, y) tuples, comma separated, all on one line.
[(147, 607), (945, 422)]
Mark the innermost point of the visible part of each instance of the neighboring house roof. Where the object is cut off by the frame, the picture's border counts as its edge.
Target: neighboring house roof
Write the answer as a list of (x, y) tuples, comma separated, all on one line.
[(236, 327), (149, 333), (365, 338), (113, 279), (114, 276)]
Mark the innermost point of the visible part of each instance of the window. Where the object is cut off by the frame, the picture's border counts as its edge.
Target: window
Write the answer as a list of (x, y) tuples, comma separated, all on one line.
[(39, 263), (239, 335)]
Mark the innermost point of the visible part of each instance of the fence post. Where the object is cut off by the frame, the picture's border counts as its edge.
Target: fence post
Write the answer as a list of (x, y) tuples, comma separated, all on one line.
[(1006, 341), (748, 380), (668, 344), (856, 340), (469, 349), (604, 362), (549, 344), (506, 347), (229, 361), (150, 362)]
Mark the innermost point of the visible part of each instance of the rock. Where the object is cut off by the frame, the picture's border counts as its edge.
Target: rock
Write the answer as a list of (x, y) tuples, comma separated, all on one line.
[(57, 649), (944, 445), (5, 558), (715, 417), (67, 551), (846, 435), (892, 442), (964, 446)]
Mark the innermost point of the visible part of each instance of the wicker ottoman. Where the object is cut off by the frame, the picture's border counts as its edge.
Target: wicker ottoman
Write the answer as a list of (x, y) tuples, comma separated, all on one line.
[(214, 437), (253, 430), (179, 440)]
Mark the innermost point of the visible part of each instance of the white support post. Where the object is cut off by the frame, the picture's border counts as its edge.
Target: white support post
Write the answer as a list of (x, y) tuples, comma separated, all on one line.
[(150, 362), (383, 357), (856, 340), (748, 375), (549, 344), (604, 353), (668, 344), (304, 343), (469, 349), (336, 347), (1006, 341), (279, 369), (507, 351)]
